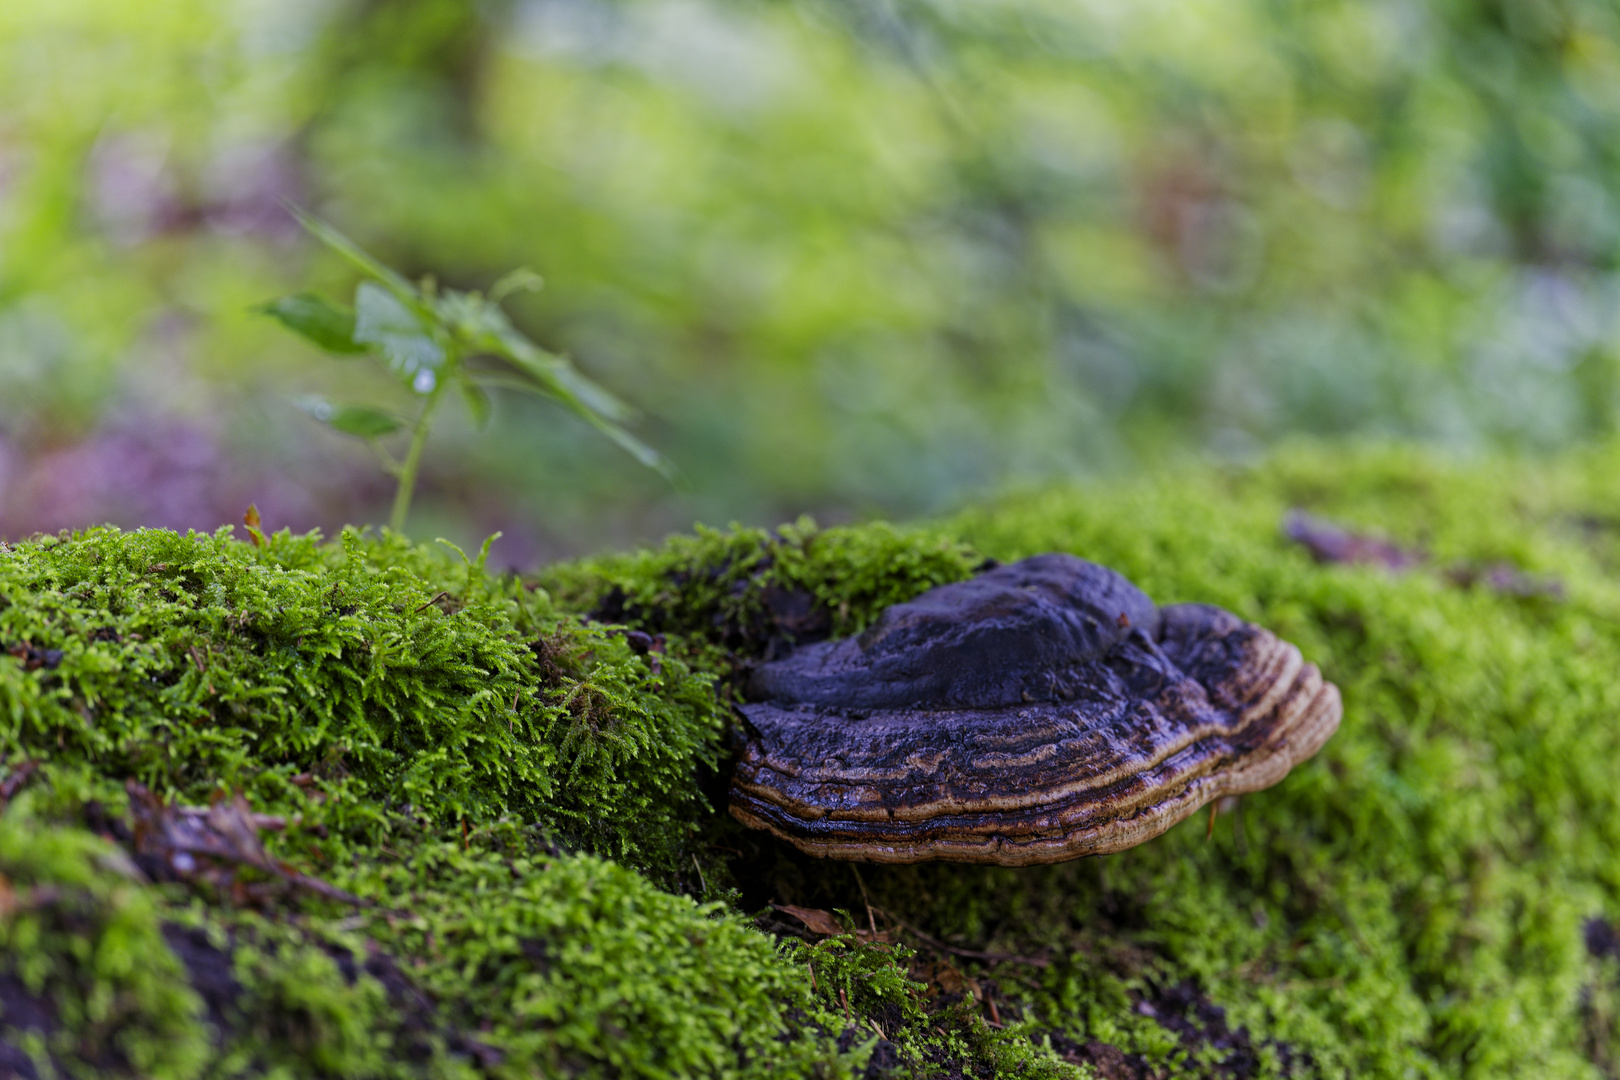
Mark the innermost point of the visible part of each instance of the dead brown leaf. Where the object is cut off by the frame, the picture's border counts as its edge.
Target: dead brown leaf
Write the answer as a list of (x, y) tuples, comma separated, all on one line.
[(211, 844), (826, 924), (943, 977), (251, 520), (814, 919)]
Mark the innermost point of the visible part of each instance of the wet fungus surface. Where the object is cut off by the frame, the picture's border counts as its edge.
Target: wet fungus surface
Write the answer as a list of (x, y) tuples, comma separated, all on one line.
[(1042, 711)]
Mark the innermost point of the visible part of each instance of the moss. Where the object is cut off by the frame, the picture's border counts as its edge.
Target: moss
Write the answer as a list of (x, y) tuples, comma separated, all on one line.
[(297, 1012), (87, 985), (576, 966), (868, 989), (344, 684), (1416, 901), (744, 593)]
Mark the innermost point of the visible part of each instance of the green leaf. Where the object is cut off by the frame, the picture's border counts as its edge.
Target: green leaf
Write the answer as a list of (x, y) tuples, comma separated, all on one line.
[(328, 325), (477, 399), (557, 376), (487, 329), (364, 421), (399, 333), (553, 376), (520, 280), (634, 446), (414, 331), (560, 385), (357, 256)]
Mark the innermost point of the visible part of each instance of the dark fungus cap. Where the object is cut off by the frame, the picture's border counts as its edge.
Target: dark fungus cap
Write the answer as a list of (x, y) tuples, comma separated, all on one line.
[(1039, 712)]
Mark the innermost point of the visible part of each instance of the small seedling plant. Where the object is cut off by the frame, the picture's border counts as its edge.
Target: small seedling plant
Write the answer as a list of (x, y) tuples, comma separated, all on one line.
[(433, 340)]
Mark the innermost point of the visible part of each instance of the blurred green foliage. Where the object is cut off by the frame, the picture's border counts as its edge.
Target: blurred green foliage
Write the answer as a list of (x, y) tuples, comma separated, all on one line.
[(425, 337), (847, 256)]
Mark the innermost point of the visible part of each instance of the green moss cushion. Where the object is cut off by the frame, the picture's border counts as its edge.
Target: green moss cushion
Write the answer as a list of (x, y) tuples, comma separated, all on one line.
[(531, 805)]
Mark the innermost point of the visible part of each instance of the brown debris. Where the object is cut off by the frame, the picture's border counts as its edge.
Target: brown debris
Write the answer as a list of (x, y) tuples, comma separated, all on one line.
[(212, 845), (969, 954), (1330, 543), (554, 658), (814, 919), (1504, 579), (782, 619), (251, 520), (16, 778), (1107, 1061), (943, 979), (651, 646), (33, 659), (429, 603), (826, 924)]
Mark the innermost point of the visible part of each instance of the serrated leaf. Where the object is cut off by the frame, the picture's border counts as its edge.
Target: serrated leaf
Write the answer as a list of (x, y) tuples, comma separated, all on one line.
[(397, 331), (318, 320), (364, 421)]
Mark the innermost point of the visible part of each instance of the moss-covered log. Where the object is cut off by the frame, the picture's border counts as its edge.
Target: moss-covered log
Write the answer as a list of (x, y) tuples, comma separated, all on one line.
[(521, 782)]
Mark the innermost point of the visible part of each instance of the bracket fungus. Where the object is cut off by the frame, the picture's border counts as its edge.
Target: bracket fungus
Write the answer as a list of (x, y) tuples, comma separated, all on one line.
[(1039, 712)]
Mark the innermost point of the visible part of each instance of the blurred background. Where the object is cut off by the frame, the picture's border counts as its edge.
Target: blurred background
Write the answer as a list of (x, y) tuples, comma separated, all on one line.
[(848, 257)]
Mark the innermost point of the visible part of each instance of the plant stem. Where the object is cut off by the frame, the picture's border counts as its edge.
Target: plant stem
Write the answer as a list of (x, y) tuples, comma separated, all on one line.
[(413, 458)]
